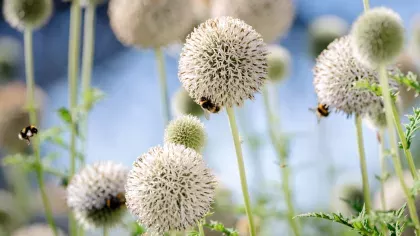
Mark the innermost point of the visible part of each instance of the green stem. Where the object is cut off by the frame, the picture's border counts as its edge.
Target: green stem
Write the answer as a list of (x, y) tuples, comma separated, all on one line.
[(106, 231), (282, 156), (200, 228), (403, 139), (241, 167), (87, 62), (394, 147), (362, 160), (73, 72), (366, 4), (30, 90), (163, 85), (54, 172), (384, 168)]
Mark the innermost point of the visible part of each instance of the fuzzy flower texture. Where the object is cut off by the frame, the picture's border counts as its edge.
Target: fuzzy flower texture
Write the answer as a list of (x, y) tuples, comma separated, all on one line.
[(335, 75), (186, 130), (170, 188), (96, 194), (224, 60), (27, 14)]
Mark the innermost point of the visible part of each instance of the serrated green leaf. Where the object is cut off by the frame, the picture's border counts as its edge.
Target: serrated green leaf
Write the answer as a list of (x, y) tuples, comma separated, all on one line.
[(92, 97)]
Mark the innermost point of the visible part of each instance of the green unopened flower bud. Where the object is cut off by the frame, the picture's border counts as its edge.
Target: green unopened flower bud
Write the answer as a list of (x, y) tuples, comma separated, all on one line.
[(188, 131), (183, 104), (278, 61), (23, 14), (377, 37), (324, 30)]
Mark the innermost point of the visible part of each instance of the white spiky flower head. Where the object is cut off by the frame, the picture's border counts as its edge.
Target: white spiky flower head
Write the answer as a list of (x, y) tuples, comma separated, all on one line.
[(23, 14), (224, 60), (150, 23), (188, 131), (324, 30), (183, 104), (278, 61), (335, 75), (377, 37), (96, 194), (170, 188), (37, 230), (271, 18)]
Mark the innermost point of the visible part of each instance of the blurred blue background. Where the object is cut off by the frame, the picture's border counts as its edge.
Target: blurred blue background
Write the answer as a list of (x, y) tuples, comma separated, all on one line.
[(128, 121)]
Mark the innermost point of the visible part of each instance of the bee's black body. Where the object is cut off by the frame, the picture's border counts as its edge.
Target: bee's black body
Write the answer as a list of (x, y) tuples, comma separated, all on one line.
[(28, 132), (322, 110), (115, 202), (208, 105)]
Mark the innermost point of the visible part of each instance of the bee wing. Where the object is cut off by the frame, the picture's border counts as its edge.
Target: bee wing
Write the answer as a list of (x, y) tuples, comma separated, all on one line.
[(206, 114)]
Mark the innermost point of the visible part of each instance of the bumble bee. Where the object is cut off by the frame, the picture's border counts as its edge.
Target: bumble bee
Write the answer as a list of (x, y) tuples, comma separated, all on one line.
[(321, 111), (208, 107), (28, 132), (115, 202)]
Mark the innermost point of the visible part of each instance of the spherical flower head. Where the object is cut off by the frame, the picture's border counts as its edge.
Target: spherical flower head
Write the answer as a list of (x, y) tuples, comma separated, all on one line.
[(324, 30), (183, 104), (14, 114), (350, 192), (150, 23), (278, 61), (27, 14), (188, 131), (96, 194), (170, 188), (335, 75), (378, 37), (223, 60), (271, 18), (37, 230)]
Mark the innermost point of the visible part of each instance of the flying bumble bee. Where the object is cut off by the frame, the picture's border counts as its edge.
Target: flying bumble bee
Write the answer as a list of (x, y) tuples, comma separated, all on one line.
[(115, 202), (208, 106), (28, 132), (321, 111)]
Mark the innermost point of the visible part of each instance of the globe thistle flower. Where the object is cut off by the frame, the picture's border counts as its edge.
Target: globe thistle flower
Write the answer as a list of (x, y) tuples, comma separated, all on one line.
[(15, 115), (188, 131), (335, 74), (37, 230), (169, 188), (278, 61), (271, 18), (183, 104), (150, 23), (324, 30), (31, 14), (223, 60), (351, 193), (10, 51), (377, 37), (96, 194)]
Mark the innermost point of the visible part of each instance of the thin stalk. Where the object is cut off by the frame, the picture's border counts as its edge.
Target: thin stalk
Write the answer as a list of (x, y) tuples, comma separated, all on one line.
[(241, 167), (384, 168), (160, 60), (73, 72), (282, 156), (403, 139), (54, 172), (366, 5), (87, 62), (362, 160), (30, 88), (200, 228), (394, 147), (106, 231)]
